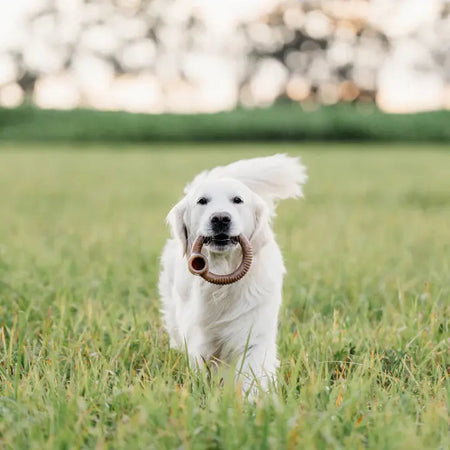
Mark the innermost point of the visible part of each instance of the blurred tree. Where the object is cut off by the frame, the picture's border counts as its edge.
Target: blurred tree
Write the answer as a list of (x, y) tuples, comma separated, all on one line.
[(191, 56)]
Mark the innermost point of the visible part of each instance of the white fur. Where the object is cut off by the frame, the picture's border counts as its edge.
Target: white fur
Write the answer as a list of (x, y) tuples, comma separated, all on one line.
[(237, 323)]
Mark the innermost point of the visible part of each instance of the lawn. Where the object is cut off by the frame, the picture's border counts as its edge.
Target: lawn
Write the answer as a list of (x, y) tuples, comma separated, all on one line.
[(364, 329)]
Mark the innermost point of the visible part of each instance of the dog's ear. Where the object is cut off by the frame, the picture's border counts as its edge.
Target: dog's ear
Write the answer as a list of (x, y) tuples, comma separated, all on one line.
[(176, 220), (262, 231)]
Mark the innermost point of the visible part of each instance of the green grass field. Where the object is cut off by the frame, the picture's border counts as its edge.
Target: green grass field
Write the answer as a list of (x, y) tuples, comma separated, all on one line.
[(364, 329)]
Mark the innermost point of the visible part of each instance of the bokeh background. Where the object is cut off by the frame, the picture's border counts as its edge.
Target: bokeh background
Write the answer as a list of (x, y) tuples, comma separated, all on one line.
[(203, 56)]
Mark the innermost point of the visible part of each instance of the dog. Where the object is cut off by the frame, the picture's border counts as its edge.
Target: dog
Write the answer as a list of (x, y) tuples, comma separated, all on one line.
[(234, 323)]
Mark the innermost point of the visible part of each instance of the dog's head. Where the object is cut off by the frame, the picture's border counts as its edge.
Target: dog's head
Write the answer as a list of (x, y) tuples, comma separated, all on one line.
[(236, 199), (220, 210)]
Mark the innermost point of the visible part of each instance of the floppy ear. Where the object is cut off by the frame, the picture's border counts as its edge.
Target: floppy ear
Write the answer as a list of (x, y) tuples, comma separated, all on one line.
[(176, 220), (261, 233)]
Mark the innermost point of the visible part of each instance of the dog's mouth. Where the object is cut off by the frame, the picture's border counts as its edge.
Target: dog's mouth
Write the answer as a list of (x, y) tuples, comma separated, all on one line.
[(221, 240)]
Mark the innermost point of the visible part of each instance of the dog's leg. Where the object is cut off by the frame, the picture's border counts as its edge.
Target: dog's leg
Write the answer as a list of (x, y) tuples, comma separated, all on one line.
[(257, 367)]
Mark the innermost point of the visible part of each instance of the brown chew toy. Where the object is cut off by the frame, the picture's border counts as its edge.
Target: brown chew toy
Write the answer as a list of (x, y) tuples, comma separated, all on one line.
[(198, 264)]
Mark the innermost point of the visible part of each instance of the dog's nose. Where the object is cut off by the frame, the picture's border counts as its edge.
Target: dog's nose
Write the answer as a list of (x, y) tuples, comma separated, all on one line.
[(220, 222)]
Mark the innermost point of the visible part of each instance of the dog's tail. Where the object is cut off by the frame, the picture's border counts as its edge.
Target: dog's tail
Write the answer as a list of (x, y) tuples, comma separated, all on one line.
[(273, 178)]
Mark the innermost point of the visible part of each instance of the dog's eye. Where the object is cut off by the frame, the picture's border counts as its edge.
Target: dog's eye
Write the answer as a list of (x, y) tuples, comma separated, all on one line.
[(238, 200), (202, 201)]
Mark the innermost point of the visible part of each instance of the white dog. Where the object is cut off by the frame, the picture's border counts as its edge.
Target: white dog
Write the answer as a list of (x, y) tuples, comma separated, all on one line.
[(235, 323)]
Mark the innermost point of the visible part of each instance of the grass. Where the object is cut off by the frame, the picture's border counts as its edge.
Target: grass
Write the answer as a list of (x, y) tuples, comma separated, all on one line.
[(287, 122), (364, 328)]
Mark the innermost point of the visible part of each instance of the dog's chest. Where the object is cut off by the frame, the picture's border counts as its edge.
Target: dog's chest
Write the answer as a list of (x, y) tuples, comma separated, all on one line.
[(221, 306)]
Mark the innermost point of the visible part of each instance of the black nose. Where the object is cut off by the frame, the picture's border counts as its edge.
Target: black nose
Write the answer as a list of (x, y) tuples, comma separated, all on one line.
[(220, 222)]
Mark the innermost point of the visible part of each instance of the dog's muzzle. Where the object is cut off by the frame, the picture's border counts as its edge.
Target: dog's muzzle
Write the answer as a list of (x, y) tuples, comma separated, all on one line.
[(198, 264)]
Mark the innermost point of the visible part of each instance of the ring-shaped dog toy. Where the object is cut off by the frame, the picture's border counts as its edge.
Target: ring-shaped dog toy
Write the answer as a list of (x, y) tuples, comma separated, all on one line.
[(198, 264)]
